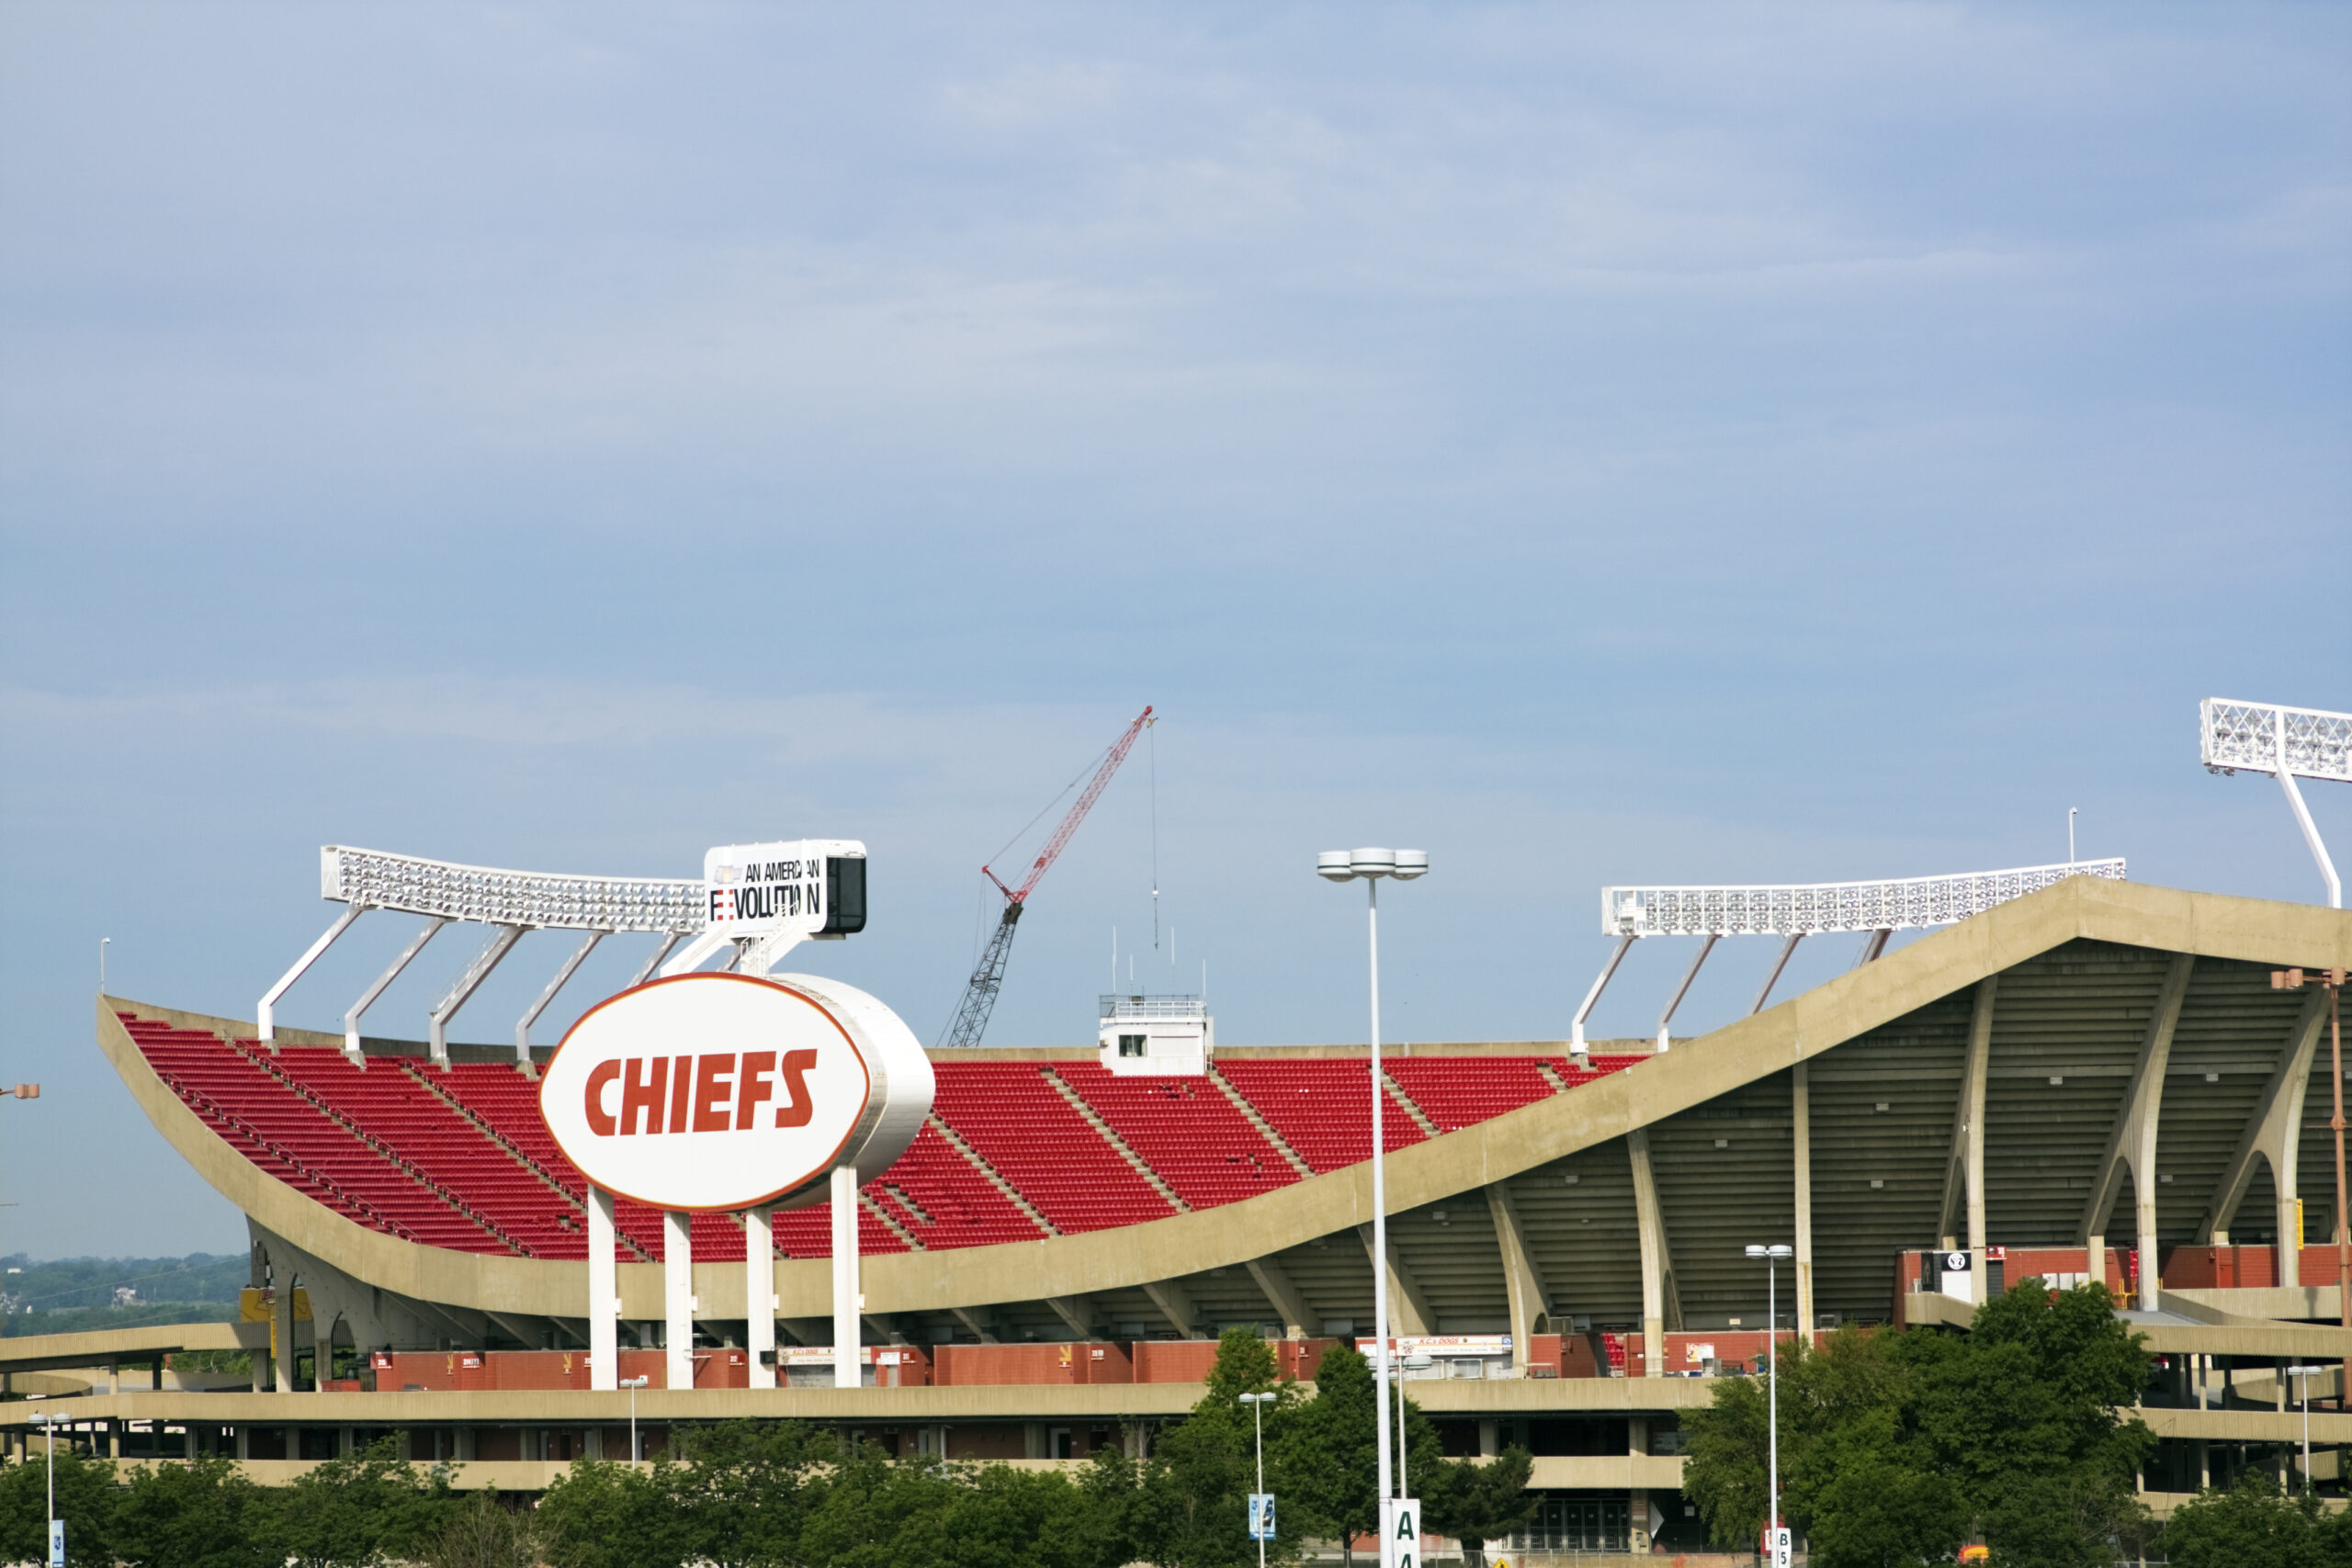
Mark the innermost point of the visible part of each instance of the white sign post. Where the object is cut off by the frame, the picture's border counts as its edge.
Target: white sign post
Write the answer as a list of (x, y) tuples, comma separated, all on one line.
[(1783, 1550), (1401, 1532), (714, 1093)]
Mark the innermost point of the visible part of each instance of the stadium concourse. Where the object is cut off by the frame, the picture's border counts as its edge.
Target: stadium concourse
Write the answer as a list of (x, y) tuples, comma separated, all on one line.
[(2097, 1079)]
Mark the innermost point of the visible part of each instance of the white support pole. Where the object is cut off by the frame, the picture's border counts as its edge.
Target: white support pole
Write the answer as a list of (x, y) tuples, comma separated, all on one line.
[(1576, 1030), (266, 1013), (759, 1295), (1683, 989), (501, 941), (523, 1028), (654, 961), (1788, 951), (2303, 816), (367, 997), (847, 1333), (604, 1294), (1380, 1264), (678, 1297), (697, 953)]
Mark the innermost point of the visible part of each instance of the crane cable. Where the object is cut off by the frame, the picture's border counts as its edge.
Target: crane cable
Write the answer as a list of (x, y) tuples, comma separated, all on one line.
[(1152, 741)]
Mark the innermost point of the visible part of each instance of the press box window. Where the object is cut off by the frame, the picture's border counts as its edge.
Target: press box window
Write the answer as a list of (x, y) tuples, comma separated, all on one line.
[(844, 896), (1131, 1044)]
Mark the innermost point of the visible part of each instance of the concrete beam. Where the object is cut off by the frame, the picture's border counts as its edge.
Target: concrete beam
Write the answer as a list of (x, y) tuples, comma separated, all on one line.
[(981, 1323), (1299, 1319), (1175, 1306), (1409, 1309), (1661, 1301), (2273, 1134), (2132, 1143), (1530, 1300), (1078, 1312)]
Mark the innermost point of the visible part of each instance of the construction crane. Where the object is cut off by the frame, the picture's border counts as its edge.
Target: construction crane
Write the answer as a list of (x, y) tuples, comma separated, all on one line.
[(987, 977)]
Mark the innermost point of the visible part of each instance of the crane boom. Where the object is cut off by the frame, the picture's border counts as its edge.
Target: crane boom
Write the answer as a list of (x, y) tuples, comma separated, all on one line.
[(971, 1018)]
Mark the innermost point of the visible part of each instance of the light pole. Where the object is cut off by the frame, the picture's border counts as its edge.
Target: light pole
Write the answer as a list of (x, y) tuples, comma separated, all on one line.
[(1418, 1361), (633, 1384), (1257, 1404), (1770, 1257), (1369, 866), (2305, 1374), (56, 1528)]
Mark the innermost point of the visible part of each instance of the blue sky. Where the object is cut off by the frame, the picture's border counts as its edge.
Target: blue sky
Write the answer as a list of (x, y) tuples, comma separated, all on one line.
[(1692, 443)]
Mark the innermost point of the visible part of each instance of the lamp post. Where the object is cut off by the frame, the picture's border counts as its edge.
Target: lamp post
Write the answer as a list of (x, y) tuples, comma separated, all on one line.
[(56, 1527), (1257, 1404), (1418, 1361), (2304, 1376), (1770, 1257), (633, 1384), (1369, 865)]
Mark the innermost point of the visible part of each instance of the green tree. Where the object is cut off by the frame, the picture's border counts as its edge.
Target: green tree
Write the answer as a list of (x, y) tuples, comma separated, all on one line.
[(610, 1514), (483, 1533), (1476, 1500), (1002, 1518), (1190, 1507), (2020, 1412), (2250, 1525), (86, 1495), (1894, 1448), (745, 1488), (371, 1508), (882, 1513), (201, 1514), (1331, 1455)]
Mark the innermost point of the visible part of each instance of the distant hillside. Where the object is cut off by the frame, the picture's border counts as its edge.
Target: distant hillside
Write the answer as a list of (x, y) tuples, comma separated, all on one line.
[(73, 1294)]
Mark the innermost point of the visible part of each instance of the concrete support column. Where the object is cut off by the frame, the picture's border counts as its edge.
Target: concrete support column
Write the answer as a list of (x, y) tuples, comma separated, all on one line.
[(847, 1300), (1650, 1224), (281, 1335), (1801, 1132), (604, 1294), (678, 1297), (1979, 1060), (759, 1295)]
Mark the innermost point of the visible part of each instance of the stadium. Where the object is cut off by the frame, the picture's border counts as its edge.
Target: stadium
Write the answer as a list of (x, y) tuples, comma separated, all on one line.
[(2083, 1077)]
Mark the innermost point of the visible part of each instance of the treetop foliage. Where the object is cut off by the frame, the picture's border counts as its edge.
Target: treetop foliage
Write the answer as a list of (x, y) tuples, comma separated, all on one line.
[(1897, 1448)]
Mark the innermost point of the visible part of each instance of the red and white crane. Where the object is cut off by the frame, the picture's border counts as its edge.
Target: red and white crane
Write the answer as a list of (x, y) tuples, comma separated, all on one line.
[(987, 977)]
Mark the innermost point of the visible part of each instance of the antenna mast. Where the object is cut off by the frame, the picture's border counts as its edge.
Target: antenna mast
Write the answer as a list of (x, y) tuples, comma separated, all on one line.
[(971, 1018)]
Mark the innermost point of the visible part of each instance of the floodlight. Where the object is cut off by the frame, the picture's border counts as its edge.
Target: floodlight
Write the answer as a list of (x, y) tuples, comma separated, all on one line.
[(1371, 862), (1812, 908), (1794, 911), (2286, 743), (1411, 864), (1333, 864)]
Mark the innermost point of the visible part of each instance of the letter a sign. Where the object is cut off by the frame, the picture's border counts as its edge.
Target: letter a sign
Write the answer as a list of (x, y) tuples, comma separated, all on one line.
[(1401, 1532)]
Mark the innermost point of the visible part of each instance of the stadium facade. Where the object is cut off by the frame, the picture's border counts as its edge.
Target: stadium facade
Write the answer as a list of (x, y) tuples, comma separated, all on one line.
[(2098, 1080)]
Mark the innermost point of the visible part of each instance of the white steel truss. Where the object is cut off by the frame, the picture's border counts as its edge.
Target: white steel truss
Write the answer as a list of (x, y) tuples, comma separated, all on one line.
[(1813, 909), (534, 900), (2259, 737), (1803, 909), (2264, 738), (513, 901)]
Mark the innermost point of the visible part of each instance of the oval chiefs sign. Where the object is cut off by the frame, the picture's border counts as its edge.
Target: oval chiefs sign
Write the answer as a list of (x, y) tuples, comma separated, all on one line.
[(727, 1091)]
